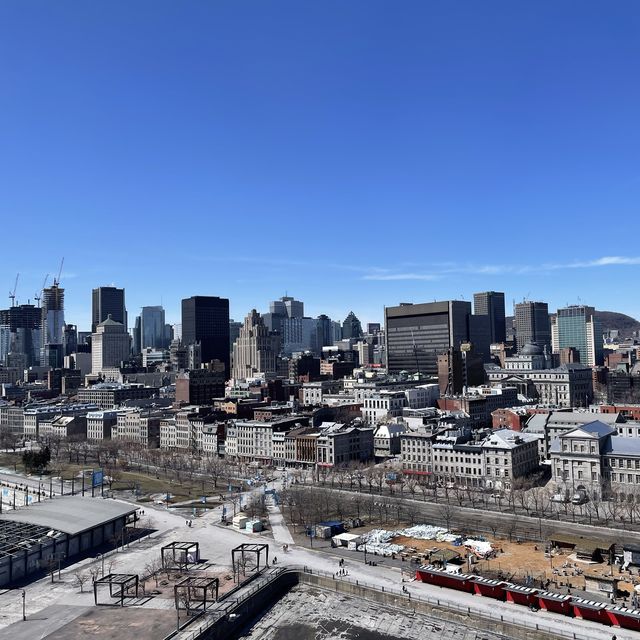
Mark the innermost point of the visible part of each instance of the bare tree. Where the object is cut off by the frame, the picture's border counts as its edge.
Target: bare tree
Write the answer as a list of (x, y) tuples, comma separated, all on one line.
[(411, 484), (446, 513), (256, 506), (215, 468), (80, 578), (153, 568), (459, 493), (424, 489), (94, 573)]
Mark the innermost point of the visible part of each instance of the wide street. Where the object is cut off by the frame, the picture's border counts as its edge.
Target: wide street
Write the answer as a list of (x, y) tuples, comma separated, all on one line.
[(479, 520)]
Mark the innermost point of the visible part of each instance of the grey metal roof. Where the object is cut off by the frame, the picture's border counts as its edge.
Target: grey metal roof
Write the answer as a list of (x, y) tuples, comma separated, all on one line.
[(623, 446), (595, 428), (70, 514), (581, 417), (536, 423)]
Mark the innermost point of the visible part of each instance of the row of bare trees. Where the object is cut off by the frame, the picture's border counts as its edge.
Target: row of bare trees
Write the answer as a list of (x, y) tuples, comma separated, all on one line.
[(526, 496)]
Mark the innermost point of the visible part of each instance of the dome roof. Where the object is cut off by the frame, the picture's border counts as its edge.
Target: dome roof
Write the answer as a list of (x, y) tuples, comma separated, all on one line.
[(532, 349)]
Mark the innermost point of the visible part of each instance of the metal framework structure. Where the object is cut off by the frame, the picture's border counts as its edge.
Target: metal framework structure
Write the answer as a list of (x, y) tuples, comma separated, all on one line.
[(195, 590), (123, 583), (15, 537), (240, 563), (179, 555)]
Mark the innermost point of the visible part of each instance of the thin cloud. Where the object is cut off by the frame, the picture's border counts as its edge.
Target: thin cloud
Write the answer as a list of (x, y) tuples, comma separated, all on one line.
[(607, 261), (385, 277), (439, 271)]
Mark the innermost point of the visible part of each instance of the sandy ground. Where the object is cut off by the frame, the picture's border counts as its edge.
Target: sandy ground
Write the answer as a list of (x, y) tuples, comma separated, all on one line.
[(518, 561)]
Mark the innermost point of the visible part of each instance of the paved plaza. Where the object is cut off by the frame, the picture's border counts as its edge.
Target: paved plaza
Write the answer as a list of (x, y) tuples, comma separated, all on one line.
[(50, 607)]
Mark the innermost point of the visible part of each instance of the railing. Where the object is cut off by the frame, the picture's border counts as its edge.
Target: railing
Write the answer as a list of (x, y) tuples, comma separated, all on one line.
[(446, 604), (225, 607), (228, 603)]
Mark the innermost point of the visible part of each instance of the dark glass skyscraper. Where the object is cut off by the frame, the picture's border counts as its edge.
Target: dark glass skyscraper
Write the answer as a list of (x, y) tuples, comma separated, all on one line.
[(491, 304), (351, 327), (107, 301), (532, 324), (205, 319), (417, 333)]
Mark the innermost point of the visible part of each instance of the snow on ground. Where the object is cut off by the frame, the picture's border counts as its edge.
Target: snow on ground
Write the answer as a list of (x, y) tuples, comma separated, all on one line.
[(216, 542)]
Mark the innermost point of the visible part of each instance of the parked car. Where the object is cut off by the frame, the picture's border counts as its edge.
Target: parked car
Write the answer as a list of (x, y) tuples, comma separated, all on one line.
[(579, 497)]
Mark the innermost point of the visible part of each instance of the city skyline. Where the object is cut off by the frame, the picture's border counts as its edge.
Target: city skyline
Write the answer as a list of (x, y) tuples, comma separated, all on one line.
[(351, 155), (79, 311)]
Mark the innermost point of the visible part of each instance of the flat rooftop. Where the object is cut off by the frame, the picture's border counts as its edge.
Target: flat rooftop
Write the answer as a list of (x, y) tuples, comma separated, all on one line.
[(70, 514)]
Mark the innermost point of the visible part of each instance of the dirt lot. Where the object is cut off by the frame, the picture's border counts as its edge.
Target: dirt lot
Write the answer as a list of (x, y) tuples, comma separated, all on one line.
[(516, 562)]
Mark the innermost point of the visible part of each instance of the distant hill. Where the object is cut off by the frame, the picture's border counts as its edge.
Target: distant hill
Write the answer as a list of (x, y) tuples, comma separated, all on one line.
[(613, 320), (609, 320)]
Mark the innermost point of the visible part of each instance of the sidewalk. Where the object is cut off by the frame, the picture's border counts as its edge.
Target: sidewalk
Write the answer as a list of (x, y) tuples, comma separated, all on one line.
[(279, 529)]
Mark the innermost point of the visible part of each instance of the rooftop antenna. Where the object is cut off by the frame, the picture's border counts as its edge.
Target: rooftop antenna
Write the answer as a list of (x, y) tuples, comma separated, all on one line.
[(56, 281), (12, 294), (44, 284)]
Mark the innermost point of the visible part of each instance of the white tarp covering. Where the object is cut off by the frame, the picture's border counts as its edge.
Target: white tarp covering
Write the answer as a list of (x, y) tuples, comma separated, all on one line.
[(480, 547), (380, 540), (346, 539)]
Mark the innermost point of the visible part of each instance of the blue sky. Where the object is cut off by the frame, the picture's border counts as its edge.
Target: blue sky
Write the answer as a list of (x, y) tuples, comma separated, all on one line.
[(353, 154)]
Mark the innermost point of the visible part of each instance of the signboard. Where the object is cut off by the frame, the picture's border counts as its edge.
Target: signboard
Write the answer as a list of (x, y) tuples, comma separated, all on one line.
[(97, 478)]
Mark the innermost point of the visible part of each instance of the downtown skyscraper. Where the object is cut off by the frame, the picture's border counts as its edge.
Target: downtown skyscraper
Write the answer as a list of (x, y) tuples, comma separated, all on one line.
[(532, 324), (205, 319), (578, 328), (105, 302), (491, 304)]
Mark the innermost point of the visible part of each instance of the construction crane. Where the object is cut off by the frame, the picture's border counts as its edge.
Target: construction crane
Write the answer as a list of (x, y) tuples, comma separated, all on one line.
[(56, 281), (12, 294), (38, 295)]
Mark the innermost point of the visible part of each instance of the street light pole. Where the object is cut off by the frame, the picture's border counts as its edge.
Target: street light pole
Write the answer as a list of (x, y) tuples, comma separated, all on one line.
[(24, 605)]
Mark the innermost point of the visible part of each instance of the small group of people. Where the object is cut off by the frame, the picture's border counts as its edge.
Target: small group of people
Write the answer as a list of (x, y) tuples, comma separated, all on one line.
[(341, 572), (275, 560), (285, 547), (188, 522)]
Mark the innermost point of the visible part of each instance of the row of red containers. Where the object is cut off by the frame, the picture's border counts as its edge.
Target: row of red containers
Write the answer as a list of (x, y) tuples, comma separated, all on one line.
[(567, 605)]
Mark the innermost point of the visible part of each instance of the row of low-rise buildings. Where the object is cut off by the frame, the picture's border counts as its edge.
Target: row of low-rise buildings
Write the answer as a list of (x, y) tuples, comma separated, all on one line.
[(281, 443), (453, 457)]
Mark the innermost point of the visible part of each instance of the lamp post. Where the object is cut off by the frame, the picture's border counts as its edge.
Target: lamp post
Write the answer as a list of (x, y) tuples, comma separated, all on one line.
[(24, 605)]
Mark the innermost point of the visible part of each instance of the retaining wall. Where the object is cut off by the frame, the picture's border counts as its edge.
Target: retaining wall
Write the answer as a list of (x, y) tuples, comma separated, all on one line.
[(247, 611)]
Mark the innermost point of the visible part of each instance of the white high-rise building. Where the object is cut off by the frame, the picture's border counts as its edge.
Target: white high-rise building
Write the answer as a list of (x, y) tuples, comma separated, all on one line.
[(110, 345), (555, 339)]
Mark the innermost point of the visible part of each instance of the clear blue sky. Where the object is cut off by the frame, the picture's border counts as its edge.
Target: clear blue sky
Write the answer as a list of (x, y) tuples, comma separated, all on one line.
[(352, 153)]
